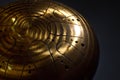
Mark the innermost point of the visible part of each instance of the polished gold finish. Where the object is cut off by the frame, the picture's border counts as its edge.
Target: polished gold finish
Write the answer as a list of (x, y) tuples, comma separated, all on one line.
[(43, 39)]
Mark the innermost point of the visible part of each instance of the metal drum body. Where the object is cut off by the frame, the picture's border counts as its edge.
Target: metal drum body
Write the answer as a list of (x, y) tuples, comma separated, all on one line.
[(45, 40)]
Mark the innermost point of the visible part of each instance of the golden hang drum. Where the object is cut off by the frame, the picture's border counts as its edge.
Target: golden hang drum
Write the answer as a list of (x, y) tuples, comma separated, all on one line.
[(45, 40)]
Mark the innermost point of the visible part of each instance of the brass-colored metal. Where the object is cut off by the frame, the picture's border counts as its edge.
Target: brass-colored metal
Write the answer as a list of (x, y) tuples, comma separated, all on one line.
[(43, 39)]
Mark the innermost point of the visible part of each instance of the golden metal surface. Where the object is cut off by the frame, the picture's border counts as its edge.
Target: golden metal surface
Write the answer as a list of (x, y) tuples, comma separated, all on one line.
[(43, 39)]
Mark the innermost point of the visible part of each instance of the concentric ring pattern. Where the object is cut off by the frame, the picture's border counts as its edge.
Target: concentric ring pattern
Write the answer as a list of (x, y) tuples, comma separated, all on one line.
[(35, 34)]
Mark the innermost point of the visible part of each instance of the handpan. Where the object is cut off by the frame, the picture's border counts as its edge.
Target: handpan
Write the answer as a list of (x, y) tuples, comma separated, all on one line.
[(45, 40)]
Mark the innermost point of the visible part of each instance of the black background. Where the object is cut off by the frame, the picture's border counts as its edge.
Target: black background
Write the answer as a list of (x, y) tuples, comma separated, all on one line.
[(103, 17)]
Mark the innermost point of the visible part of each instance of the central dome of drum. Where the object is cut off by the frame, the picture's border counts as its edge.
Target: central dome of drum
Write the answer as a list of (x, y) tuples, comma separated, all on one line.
[(43, 39)]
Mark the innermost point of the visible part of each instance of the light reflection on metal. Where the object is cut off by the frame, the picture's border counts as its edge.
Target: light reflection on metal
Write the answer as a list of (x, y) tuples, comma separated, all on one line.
[(43, 39)]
